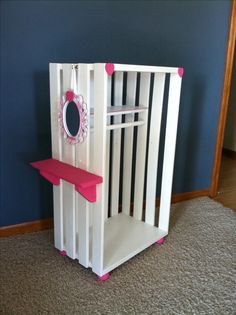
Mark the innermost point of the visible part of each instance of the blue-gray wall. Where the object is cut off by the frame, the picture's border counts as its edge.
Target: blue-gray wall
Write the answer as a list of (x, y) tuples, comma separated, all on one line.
[(192, 34)]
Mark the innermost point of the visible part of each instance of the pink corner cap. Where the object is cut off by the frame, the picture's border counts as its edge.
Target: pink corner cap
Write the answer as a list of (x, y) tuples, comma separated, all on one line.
[(181, 72), (109, 68), (160, 241), (104, 277), (70, 96), (63, 253)]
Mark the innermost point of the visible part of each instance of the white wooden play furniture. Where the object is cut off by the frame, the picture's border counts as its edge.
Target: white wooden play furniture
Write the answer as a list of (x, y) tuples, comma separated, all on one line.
[(102, 167)]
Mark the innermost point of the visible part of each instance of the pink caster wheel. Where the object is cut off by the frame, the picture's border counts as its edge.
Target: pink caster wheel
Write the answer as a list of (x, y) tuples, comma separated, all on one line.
[(63, 253), (160, 241), (104, 277)]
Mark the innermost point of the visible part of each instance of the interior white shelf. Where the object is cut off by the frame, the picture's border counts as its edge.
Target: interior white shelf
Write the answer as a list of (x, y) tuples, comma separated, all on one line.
[(125, 237), (121, 110)]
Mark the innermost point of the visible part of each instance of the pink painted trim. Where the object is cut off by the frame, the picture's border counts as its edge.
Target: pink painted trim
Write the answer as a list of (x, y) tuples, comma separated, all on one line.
[(160, 241), (109, 68), (70, 96), (181, 72), (88, 193), (51, 178), (104, 277), (63, 253), (85, 182)]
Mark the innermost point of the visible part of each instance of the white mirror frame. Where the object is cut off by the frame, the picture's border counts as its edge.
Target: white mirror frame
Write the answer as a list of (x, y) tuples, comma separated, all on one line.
[(68, 97)]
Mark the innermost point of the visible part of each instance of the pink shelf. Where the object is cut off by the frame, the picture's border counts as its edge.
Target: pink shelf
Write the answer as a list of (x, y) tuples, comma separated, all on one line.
[(54, 170)]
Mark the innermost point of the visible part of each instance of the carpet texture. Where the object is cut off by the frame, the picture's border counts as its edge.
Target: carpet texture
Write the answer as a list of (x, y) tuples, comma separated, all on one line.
[(192, 273)]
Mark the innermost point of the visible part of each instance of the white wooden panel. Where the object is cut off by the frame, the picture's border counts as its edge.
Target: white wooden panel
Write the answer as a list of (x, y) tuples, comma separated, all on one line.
[(68, 149), (68, 190), (141, 146), (82, 151), (91, 90), (55, 97), (125, 237), (91, 130), (126, 125), (69, 219), (108, 134), (116, 146), (74, 79), (128, 143), (82, 229), (91, 153), (138, 68), (99, 167), (124, 109), (153, 150), (169, 150), (82, 160)]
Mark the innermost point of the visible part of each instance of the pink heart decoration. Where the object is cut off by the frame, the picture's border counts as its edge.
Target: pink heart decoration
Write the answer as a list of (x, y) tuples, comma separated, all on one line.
[(181, 72), (109, 68), (70, 96)]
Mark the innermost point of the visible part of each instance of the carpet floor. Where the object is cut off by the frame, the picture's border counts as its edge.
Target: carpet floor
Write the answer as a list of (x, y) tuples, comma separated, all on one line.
[(192, 273)]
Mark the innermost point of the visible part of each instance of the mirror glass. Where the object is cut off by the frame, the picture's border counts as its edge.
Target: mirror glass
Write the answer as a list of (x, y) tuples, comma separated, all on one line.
[(72, 119)]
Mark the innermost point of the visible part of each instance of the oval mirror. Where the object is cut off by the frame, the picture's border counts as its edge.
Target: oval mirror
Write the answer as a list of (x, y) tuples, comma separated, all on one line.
[(71, 119)]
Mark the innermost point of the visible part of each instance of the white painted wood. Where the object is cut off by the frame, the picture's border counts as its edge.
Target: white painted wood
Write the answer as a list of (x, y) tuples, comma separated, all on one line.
[(103, 243), (141, 146), (153, 149), (55, 97), (125, 237), (116, 145), (91, 153), (82, 160), (126, 125), (69, 219), (68, 149), (91, 131), (169, 150), (91, 92), (128, 141), (99, 165), (108, 135), (74, 78), (68, 190), (82, 229), (140, 68), (124, 109)]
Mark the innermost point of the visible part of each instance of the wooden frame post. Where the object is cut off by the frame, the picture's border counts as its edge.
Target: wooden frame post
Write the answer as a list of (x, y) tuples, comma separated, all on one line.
[(224, 101)]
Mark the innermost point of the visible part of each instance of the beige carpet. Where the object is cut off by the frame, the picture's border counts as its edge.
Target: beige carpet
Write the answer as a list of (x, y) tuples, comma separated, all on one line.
[(192, 273)]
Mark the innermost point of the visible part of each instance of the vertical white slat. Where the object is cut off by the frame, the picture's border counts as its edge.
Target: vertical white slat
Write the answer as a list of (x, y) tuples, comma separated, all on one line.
[(82, 160), (153, 148), (68, 149), (55, 98), (68, 189), (91, 131), (116, 146), (99, 165), (169, 150), (106, 182), (141, 146), (128, 143)]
